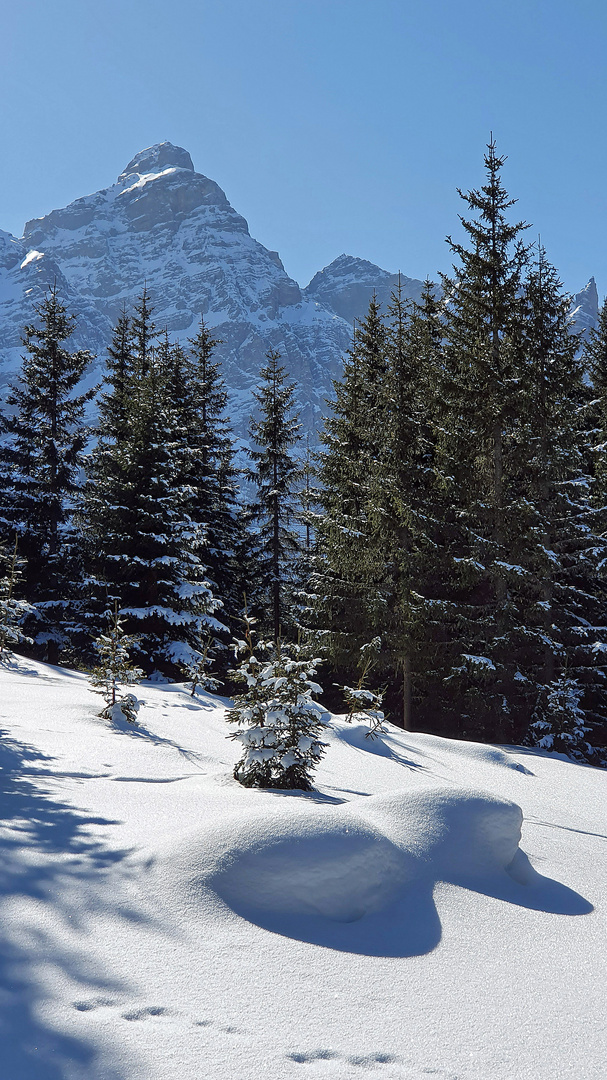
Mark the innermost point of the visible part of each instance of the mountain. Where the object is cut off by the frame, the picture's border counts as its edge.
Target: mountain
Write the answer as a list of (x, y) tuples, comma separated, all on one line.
[(165, 224), (169, 226), (346, 286), (585, 308)]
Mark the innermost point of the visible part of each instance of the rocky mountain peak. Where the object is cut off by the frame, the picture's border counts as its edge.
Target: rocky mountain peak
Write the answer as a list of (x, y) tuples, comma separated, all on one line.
[(157, 158), (347, 284), (585, 308)]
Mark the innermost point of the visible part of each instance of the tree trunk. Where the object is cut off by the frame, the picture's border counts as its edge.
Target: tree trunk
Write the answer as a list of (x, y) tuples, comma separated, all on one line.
[(406, 665)]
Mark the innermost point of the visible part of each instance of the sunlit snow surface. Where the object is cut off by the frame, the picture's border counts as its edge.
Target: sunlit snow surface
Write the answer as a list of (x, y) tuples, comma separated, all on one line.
[(160, 922)]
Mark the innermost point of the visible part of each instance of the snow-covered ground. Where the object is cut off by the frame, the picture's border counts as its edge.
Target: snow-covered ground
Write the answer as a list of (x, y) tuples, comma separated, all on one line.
[(160, 922)]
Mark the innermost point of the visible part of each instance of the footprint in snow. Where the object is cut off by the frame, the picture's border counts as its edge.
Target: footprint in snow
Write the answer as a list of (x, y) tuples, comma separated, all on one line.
[(92, 1003), (229, 1030), (143, 1014), (363, 1061)]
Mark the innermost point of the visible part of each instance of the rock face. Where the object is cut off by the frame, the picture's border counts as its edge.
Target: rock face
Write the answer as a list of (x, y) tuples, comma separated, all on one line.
[(585, 309), (164, 224), (346, 286)]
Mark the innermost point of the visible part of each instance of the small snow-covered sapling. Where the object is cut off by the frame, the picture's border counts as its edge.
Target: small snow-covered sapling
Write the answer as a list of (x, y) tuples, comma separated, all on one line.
[(12, 611), (115, 670), (279, 721), (198, 671), (364, 703), (558, 722)]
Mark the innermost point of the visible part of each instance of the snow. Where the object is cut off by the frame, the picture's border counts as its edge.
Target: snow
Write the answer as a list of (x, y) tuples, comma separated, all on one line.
[(32, 256), (160, 922)]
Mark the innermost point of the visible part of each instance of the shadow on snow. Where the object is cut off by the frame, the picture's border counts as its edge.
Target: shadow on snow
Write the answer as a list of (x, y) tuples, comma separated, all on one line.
[(49, 857)]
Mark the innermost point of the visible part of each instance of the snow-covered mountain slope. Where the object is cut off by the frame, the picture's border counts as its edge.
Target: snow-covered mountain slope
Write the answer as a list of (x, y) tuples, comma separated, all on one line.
[(346, 286), (166, 225), (160, 922), (172, 228), (585, 308)]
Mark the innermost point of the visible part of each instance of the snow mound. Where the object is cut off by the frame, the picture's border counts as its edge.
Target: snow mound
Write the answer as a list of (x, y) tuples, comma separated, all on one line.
[(344, 863), (340, 869), (450, 832)]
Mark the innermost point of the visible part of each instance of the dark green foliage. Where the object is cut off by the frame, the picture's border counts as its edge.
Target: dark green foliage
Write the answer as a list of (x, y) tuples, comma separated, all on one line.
[(484, 526), (146, 548), (349, 569), (275, 475), (42, 462), (213, 476), (459, 522), (376, 539)]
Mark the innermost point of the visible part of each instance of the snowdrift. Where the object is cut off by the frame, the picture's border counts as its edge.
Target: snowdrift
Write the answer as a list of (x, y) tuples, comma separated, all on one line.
[(345, 863)]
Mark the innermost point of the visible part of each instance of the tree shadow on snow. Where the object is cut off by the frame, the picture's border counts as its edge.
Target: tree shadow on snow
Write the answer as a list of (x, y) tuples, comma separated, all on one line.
[(48, 856), (49, 672), (138, 731), (358, 737)]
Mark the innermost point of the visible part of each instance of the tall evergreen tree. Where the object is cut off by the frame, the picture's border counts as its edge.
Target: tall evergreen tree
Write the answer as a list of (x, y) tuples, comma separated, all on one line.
[(567, 547), (214, 479), (146, 548), (478, 467), (42, 460), (406, 500), (349, 572), (275, 474), (595, 364)]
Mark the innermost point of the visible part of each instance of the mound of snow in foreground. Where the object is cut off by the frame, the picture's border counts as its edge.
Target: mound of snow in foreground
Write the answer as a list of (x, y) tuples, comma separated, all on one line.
[(160, 922)]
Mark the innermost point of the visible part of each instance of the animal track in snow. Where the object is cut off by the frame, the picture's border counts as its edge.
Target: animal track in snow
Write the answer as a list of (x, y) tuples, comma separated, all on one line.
[(143, 1014), (363, 1061), (92, 1003)]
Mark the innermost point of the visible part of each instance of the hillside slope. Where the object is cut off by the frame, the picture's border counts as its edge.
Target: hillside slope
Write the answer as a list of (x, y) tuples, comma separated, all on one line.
[(160, 922)]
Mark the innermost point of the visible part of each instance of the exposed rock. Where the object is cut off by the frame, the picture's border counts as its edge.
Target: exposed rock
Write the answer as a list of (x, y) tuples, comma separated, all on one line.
[(346, 286), (585, 309)]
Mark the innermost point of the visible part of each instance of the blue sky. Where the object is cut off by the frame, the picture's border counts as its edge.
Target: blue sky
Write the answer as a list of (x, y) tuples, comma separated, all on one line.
[(332, 125)]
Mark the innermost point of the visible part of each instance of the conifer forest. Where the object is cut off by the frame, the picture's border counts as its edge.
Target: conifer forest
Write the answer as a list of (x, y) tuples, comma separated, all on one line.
[(439, 553)]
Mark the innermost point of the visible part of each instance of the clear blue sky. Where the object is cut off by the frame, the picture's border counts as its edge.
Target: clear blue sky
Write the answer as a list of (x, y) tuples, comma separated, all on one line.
[(332, 125)]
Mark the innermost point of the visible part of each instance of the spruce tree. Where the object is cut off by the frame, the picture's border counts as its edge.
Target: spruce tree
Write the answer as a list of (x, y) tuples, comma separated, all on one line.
[(559, 723), (279, 721), (275, 476), (349, 568), (13, 612), (114, 670), (406, 502), (595, 364), (478, 467), (214, 477), (364, 703), (146, 549), (567, 546), (42, 460)]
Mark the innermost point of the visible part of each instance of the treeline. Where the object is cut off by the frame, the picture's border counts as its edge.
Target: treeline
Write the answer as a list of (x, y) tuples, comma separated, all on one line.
[(446, 544)]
